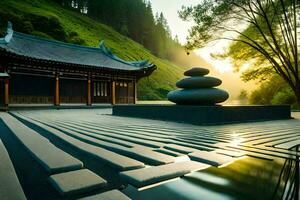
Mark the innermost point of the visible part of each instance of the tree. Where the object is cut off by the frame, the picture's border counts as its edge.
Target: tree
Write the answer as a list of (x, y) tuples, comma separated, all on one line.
[(270, 34), (134, 19)]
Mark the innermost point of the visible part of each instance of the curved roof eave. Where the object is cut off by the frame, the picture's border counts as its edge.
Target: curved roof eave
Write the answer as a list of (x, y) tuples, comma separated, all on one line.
[(53, 51)]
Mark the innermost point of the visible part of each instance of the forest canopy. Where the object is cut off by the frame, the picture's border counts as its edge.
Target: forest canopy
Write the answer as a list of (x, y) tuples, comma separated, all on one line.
[(132, 18)]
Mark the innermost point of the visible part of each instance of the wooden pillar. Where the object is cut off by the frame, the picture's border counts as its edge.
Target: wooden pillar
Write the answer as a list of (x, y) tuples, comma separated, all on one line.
[(134, 92), (56, 96), (128, 94), (113, 92), (6, 93), (89, 94)]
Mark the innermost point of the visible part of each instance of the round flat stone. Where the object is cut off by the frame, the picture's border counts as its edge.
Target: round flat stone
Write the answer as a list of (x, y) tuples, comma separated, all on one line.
[(196, 71), (198, 82), (205, 96)]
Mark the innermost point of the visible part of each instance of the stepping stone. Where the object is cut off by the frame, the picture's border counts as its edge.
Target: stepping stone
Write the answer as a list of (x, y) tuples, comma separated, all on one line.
[(10, 187), (178, 148), (289, 145), (148, 176), (141, 153), (76, 182), (235, 154), (211, 158), (169, 152), (133, 138), (109, 195), (112, 159), (52, 159)]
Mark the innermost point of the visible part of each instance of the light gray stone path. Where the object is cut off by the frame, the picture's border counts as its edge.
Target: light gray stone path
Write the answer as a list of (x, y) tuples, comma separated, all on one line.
[(271, 138), (135, 138), (289, 145), (53, 159), (169, 152), (129, 138), (109, 136), (76, 182), (253, 149), (148, 176), (178, 148), (106, 138), (10, 188), (115, 160), (143, 154), (211, 158), (109, 195), (235, 154), (272, 149), (281, 141), (155, 134)]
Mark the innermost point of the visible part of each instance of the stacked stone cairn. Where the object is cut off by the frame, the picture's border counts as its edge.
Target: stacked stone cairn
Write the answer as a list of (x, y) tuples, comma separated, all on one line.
[(198, 89)]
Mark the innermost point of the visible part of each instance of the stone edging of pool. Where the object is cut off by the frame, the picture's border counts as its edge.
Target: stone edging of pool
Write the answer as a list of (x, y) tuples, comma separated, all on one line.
[(205, 115)]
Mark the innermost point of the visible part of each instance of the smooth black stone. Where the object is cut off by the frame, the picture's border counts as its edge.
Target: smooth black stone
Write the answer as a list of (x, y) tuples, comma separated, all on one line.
[(198, 82), (206, 96), (197, 71)]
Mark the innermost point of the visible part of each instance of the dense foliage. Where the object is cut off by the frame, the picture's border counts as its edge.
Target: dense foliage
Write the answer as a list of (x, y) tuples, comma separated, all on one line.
[(273, 91), (263, 34), (132, 18)]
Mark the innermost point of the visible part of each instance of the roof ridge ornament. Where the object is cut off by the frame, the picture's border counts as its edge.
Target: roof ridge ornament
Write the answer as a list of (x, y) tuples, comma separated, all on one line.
[(108, 53), (9, 34)]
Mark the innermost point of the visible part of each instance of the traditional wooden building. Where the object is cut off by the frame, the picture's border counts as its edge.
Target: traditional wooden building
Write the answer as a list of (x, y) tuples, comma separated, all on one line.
[(40, 71)]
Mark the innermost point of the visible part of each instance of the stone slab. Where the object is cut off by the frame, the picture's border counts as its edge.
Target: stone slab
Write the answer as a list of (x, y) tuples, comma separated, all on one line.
[(10, 187), (109, 195), (136, 139), (169, 152), (211, 158), (148, 176), (52, 159), (204, 115), (76, 182), (289, 145), (235, 154), (180, 149), (143, 154), (112, 159)]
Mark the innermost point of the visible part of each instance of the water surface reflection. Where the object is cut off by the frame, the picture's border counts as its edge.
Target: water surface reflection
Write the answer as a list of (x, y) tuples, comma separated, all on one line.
[(248, 178)]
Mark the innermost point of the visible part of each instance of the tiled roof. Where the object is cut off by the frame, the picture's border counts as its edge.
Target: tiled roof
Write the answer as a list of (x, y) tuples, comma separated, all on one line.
[(44, 49)]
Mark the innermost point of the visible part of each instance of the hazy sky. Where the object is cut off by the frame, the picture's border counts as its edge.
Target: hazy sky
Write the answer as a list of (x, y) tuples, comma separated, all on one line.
[(180, 28), (169, 9)]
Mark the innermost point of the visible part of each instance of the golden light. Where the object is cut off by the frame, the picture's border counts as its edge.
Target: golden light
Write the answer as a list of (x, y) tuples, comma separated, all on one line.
[(236, 142)]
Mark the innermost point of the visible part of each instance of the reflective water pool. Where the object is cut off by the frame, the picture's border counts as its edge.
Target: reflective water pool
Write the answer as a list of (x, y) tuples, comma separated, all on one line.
[(247, 178)]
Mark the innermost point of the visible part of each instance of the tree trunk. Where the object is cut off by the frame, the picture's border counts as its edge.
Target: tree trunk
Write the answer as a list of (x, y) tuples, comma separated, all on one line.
[(297, 94)]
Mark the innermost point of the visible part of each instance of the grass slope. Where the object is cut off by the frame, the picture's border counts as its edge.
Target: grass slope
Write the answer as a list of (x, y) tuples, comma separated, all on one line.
[(48, 19)]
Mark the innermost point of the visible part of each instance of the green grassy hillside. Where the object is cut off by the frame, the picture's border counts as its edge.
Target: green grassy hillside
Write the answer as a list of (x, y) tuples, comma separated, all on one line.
[(48, 19)]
